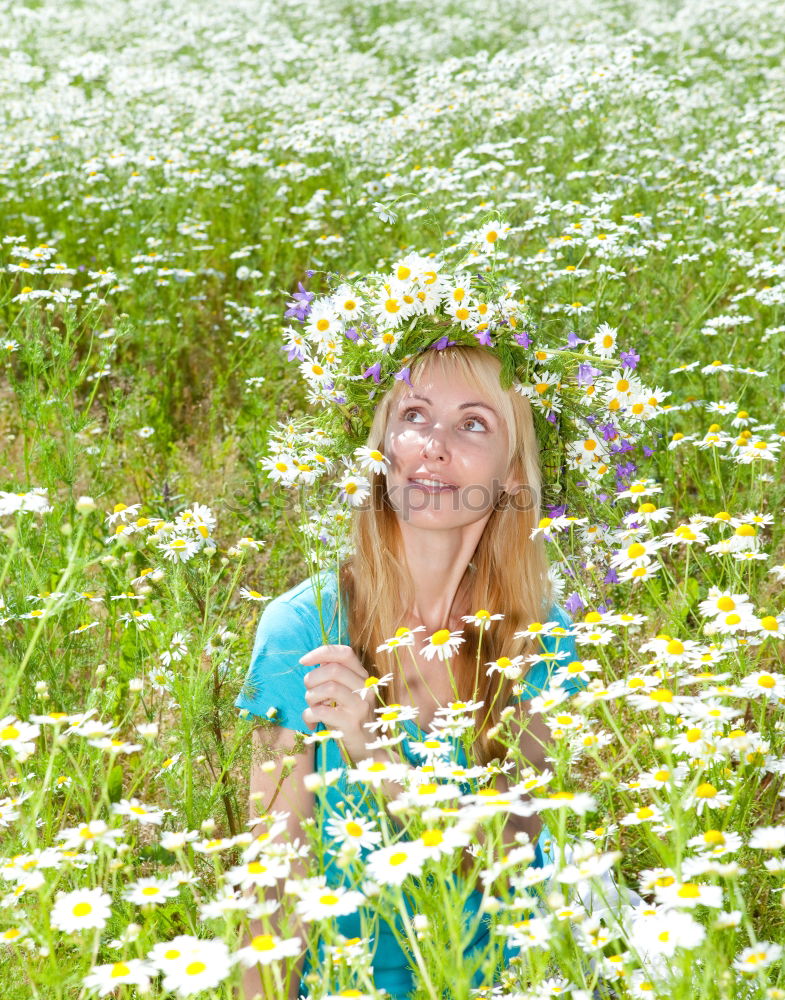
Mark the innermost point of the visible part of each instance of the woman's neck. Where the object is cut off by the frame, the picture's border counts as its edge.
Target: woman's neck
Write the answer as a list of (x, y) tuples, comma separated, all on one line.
[(451, 618)]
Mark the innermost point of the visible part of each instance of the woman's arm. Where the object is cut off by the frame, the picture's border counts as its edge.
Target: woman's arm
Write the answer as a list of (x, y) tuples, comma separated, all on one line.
[(270, 790)]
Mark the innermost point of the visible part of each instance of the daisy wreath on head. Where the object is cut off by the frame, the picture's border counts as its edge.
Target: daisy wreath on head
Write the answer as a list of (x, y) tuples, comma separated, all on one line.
[(357, 338)]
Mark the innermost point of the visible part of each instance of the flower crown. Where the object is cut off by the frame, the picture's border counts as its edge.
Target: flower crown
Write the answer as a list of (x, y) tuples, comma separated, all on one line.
[(353, 342)]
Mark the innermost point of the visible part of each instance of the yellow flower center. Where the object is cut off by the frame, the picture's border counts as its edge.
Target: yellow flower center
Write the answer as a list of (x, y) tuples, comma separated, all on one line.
[(328, 899), (705, 790), (82, 909), (354, 829), (439, 638), (432, 838), (688, 891), (398, 858), (263, 942), (119, 969), (195, 968)]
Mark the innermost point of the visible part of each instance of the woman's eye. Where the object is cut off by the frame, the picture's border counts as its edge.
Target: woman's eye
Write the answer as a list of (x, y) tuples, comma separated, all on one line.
[(469, 420)]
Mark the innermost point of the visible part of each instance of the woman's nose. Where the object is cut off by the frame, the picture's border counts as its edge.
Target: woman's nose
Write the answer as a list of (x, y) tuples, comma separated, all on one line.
[(434, 446)]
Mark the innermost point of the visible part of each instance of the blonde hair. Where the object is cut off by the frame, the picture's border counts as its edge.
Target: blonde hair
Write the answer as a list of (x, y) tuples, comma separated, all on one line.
[(510, 568)]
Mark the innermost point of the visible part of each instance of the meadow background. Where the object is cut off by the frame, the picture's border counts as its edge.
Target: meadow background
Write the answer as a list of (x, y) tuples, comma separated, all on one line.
[(168, 174)]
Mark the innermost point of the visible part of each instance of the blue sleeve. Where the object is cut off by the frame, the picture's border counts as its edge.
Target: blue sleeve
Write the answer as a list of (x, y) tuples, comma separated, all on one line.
[(275, 678), (539, 676)]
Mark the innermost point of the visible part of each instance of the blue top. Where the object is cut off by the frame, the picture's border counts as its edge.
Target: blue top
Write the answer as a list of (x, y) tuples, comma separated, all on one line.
[(290, 627)]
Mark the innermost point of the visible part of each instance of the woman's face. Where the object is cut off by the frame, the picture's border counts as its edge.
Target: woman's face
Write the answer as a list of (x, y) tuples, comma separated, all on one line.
[(444, 429)]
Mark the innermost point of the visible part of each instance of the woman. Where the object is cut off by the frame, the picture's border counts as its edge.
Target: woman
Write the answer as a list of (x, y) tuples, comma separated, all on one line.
[(447, 531)]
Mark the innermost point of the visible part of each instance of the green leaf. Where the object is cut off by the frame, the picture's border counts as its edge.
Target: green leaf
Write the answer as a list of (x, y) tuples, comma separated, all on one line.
[(114, 784)]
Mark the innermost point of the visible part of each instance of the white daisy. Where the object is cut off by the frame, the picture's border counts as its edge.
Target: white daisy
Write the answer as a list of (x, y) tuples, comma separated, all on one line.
[(127, 972), (135, 810), (266, 948), (18, 737), (689, 894), (482, 619), (355, 830), (758, 956), (391, 865), (403, 637), (80, 910), (320, 902), (371, 459), (442, 644), (204, 964), (151, 891)]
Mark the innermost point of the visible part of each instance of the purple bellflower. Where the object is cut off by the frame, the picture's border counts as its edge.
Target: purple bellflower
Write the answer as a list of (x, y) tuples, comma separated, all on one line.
[(630, 359), (300, 304), (373, 371), (587, 373)]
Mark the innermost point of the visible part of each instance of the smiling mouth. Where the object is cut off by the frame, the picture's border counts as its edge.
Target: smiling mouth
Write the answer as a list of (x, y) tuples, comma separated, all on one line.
[(432, 486)]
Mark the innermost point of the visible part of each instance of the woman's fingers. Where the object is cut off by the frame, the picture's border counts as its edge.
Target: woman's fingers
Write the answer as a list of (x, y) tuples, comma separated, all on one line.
[(330, 717), (331, 672), (342, 656), (329, 691)]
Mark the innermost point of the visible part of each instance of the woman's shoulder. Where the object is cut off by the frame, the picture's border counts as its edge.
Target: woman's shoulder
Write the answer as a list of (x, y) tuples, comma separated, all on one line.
[(303, 602), (306, 594)]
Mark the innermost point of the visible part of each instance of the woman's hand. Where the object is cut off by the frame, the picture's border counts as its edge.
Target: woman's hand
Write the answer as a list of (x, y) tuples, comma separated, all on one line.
[(329, 691)]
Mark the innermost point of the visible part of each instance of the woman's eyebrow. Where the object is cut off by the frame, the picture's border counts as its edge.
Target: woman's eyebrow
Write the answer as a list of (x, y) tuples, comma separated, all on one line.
[(463, 406)]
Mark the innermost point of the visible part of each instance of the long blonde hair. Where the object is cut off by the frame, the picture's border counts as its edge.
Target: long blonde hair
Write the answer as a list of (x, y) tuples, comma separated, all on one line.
[(510, 568)]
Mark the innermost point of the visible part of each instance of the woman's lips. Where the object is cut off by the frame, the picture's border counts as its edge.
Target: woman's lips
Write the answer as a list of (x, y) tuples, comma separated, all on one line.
[(432, 487)]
